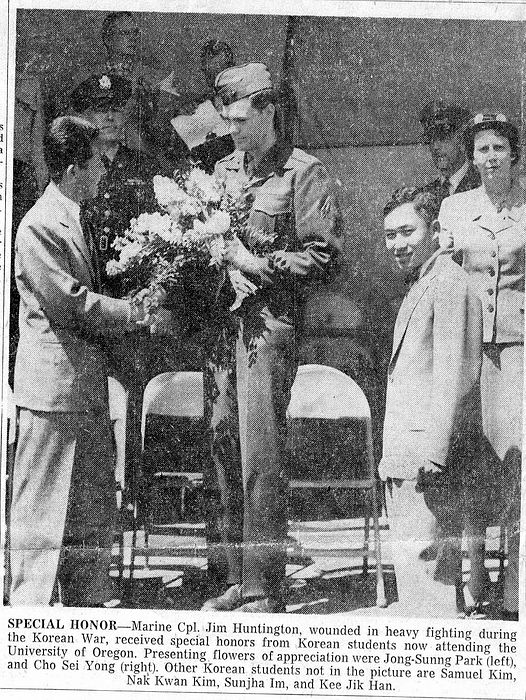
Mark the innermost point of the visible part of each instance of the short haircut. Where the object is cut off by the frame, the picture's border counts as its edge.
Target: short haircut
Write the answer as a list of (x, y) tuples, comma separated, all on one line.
[(260, 100), (505, 129), (426, 204), (111, 20), (215, 48), (68, 142)]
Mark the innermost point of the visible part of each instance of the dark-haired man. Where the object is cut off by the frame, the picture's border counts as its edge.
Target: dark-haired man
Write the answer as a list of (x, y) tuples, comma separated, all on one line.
[(295, 210), (63, 502), (435, 365), (442, 124), (126, 188)]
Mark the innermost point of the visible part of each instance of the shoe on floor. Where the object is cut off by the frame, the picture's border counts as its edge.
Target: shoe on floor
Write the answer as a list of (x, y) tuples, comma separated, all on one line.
[(229, 600), (263, 605)]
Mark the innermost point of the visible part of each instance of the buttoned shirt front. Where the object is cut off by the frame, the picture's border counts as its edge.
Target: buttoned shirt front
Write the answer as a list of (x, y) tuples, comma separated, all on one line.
[(294, 203), (124, 192), (491, 241)]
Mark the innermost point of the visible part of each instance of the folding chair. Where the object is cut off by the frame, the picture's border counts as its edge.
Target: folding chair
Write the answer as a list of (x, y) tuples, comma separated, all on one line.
[(177, 395), (321, 392)]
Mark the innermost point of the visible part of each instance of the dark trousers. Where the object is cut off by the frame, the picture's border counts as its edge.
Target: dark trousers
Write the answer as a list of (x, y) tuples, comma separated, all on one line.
[(246, 402)]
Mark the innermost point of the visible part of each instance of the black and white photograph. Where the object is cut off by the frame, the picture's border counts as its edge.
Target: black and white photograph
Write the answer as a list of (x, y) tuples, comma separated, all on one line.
[(264, 314)]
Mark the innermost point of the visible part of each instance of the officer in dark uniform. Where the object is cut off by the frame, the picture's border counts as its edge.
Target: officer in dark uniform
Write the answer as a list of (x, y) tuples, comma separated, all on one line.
[(443, 127), (124, 192)]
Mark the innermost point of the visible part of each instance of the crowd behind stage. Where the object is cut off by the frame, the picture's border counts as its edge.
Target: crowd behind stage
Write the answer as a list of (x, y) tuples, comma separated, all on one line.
[(451, 453)]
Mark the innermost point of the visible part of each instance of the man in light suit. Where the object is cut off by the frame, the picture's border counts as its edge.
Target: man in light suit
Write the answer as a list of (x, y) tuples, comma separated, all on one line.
[(63, 503), (435, 364)]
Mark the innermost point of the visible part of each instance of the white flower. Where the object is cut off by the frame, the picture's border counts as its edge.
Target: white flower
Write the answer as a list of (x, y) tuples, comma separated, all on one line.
[(130, 251), (218, 223), (113, 268), (216, 247), (167, 191), (105, 82), (172, 235), (204, 186), (149, 224)]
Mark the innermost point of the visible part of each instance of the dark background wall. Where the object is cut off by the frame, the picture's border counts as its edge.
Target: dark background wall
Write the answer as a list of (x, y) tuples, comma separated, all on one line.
[(360, 84)]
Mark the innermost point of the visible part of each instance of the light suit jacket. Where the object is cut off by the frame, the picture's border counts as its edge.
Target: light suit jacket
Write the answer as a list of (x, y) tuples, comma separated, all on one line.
[(491, 245), (434, 368), (59, 365)]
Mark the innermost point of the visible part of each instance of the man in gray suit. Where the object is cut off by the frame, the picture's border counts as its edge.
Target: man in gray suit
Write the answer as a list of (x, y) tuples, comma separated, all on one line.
[(63, 503), (435, 365)]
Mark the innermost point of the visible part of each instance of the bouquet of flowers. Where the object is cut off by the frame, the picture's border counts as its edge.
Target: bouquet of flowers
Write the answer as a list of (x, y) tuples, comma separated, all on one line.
[(174, 255)]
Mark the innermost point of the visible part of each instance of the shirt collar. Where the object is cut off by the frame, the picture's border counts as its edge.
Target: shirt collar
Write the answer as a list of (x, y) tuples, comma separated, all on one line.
[(273, 160), (72, 208), (456, 178)]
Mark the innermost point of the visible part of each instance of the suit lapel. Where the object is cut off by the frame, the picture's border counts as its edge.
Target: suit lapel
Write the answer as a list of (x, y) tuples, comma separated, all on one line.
[(71, 229), (410, 302)]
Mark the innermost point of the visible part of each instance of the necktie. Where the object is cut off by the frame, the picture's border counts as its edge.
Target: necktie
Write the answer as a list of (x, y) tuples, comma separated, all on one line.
[(444, 188)]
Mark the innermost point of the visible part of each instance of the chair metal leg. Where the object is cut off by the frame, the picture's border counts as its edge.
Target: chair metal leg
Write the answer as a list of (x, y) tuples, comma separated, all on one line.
[(502, 554), (366, 534), (381, 601)]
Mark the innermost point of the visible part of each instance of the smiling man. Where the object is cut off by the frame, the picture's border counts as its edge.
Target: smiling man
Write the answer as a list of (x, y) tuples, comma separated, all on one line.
[(435, 364)]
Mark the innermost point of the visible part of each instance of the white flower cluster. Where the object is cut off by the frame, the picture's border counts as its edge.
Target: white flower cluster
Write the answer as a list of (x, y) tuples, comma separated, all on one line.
[(174, 199), (205, 187)]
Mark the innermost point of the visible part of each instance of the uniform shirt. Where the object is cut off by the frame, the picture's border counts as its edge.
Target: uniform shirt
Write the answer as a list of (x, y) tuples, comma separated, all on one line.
[(465, 179), (293, 199), (491, 243), (124, 192)]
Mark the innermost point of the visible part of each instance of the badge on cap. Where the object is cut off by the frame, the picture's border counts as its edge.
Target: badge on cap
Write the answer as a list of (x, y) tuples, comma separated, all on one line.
[(481, 118), (104, 82)]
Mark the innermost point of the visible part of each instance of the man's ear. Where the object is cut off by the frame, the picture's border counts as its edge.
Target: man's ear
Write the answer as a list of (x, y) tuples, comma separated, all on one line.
[(270, 110), (435, 229)]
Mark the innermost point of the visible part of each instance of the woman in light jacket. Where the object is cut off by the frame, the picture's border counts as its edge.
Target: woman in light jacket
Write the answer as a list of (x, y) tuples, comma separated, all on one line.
[(487, 229)]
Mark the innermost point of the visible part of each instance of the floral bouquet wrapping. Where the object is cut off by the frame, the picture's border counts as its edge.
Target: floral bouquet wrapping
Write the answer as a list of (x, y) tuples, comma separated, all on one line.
[(174, 256)]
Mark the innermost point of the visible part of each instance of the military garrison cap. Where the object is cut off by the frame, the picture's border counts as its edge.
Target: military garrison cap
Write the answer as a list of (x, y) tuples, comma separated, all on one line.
[(235, 83), (101, 92), (440, 118)]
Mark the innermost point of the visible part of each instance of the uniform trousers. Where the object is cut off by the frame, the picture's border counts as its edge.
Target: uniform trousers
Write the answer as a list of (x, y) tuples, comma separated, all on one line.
[(246, 405), (424, 544), (63, 508), (501, 390)]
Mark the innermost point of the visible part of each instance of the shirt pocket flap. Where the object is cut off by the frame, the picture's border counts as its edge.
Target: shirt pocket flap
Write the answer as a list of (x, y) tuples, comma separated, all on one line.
[(273, 202)]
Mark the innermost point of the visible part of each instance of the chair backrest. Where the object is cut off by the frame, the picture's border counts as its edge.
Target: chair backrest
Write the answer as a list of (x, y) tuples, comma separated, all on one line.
[(320, 391), (177, 394)]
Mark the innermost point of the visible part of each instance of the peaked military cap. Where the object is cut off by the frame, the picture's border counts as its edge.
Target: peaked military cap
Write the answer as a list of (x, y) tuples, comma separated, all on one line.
[(440, 118), (101, 92)]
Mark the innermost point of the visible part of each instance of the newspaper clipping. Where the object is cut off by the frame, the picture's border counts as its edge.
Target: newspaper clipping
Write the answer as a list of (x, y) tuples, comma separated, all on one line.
[(263, 348)]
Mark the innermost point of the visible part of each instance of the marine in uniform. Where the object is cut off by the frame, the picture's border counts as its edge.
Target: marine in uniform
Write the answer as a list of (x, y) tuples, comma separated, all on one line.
[(442, 125), (248, 387)]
